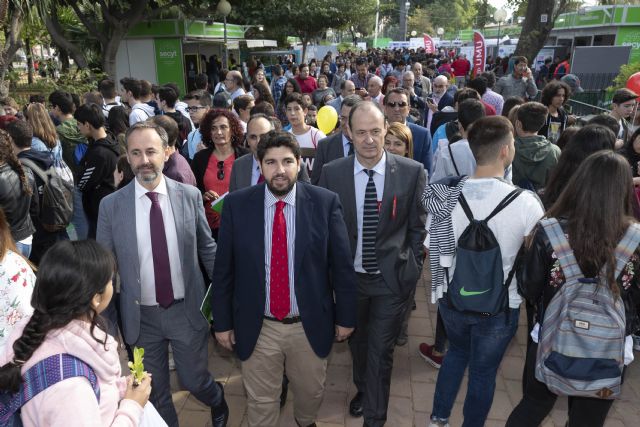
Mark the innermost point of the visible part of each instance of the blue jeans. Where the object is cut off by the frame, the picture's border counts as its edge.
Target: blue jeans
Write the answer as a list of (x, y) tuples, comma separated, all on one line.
[(480, 343), (25, 250), (79, 219)]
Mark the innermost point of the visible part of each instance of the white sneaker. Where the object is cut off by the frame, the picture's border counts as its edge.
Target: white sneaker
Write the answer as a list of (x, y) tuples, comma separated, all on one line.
[(437, 424), (172, 363)]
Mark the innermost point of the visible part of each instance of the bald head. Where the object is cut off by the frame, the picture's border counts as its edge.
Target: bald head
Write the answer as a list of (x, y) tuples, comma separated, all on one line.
[(440, 85)]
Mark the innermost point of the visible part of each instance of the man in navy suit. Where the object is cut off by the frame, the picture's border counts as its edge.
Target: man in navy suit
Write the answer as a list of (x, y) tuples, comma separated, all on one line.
[(284, 285), (396, 109)]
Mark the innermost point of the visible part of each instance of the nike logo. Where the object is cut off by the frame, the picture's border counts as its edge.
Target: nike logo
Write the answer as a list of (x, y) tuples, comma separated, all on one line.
[(471, 293)]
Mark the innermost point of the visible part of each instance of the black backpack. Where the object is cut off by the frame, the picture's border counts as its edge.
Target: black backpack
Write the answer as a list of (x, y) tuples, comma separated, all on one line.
[(478, 284), (56, 208)]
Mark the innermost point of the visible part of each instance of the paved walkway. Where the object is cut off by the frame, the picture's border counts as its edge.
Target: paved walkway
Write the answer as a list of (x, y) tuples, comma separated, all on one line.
[(412, 385)]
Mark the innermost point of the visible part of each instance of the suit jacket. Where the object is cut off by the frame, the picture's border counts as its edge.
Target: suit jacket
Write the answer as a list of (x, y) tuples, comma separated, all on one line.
[(329, 148), (117, 232), (401, 227), (445, 101), (421, 146), (322, 267), (242, 170)]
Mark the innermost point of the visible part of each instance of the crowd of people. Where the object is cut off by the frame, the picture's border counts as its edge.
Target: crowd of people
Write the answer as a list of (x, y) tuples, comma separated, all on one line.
[(137, 205)]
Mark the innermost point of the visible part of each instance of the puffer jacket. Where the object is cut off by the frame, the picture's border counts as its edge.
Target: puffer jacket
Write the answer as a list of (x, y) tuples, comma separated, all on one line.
[(16, 203)]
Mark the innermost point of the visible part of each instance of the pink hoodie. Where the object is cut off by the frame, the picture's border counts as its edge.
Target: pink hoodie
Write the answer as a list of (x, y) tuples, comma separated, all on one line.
[(72, 402)]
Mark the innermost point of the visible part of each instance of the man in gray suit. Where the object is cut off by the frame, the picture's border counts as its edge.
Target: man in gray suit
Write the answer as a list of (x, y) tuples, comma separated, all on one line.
[(246, 170), (347, 87), (157, 230), (335, 146), (380, 194)]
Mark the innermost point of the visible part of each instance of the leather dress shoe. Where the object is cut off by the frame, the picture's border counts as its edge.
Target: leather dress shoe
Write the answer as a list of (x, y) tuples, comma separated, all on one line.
[(355, 406), (220, 413)]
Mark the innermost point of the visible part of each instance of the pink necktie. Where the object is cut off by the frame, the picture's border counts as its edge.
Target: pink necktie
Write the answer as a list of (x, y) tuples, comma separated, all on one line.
[(279, 303)]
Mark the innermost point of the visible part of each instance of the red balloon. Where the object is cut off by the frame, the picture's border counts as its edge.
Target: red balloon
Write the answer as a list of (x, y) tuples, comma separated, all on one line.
[(633, 83)]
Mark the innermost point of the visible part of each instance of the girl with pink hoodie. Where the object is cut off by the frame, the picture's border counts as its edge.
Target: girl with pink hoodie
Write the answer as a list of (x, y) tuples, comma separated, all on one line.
[(73, 287)]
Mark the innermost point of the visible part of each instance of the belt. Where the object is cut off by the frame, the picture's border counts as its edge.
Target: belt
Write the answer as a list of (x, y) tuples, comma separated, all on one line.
[(286, 320), (175, 301)]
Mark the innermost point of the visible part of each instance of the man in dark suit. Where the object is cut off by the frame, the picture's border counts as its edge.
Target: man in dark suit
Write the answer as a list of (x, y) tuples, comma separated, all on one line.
[(246, 170), (284, 283), (157, 230), (438, 100), (347, 88), (396, 109), (338, 145), (380, 194)]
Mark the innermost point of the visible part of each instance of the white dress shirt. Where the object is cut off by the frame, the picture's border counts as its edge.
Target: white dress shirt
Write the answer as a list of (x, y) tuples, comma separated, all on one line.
[(345, 145), (290, 218), (361, 178), (143, 235)]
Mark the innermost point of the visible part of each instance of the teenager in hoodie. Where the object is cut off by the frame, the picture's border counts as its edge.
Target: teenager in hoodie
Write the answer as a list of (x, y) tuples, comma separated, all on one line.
[(72, 288), (95, 180), (132, 94), (535, 155)]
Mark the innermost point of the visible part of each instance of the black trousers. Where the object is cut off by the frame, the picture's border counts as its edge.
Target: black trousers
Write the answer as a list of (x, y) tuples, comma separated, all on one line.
[(538, 401), (380, 315)]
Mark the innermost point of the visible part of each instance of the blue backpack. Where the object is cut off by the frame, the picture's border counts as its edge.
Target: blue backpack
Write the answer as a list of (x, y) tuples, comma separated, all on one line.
[(478, 284), (582, 338), (39, 377)]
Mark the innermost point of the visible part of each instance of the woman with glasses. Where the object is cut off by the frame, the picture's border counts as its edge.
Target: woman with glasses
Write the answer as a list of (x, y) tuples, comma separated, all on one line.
[(222, 136)]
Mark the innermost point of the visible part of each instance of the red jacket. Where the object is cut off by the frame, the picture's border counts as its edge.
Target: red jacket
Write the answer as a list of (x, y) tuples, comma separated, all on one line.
[(461, 67), (307, 85)]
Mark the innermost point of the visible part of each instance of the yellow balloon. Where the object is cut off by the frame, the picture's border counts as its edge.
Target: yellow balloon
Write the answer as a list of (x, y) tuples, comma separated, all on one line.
[(327, 119)]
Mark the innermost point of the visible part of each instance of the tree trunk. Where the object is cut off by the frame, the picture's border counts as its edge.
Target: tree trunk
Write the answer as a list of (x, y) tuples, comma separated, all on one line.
[(534, 33), (304, 41), (110, 51), (57, 35), (10, 46), (64, 60), (27, 48)]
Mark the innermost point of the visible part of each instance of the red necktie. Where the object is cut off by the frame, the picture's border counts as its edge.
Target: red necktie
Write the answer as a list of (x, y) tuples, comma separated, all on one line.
[(260, 179), (279, 304)]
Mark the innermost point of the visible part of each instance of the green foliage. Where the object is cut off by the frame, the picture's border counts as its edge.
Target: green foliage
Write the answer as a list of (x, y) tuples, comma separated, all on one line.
[(626, 71), (344, 46), (420, 22), (452, 15), (136, 367)]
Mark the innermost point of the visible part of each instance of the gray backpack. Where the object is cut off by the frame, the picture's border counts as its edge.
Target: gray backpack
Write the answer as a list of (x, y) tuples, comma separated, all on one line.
[(582, 338)]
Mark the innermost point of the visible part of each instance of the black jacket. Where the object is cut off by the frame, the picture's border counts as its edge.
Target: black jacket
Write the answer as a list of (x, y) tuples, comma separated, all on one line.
[(96, 174), (15, 202), (540, 277)]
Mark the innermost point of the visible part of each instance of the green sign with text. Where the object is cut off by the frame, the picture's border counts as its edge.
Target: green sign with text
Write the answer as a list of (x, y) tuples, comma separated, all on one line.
[(169, 62)]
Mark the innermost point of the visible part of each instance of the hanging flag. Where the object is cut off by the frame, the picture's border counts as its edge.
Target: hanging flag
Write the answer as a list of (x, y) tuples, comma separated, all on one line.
[(429, 46), (479, 53)]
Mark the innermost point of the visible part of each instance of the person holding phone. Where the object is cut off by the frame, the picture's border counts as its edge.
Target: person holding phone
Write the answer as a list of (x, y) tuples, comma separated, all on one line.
[(519, 83)]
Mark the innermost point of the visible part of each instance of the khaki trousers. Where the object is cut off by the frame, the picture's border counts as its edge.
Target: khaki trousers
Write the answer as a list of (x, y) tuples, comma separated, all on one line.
[(283, 348)]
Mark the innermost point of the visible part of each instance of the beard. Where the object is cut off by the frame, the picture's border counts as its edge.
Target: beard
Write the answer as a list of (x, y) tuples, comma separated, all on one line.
[(280, 191), (146, 172)]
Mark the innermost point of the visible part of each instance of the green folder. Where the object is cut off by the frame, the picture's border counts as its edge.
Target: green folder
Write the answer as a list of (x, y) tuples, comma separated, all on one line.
[(216, 205), (205, 307)]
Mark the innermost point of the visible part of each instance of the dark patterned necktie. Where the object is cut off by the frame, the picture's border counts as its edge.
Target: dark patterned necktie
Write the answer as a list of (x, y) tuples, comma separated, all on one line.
[(370, 225), (160, 251)]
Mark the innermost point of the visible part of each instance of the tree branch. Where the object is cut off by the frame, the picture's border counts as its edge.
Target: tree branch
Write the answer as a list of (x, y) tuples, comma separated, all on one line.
[(57, 35), (90, 25)]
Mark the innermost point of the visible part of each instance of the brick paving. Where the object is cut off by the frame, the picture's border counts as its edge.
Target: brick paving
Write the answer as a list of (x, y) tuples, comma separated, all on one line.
[(412, 385)]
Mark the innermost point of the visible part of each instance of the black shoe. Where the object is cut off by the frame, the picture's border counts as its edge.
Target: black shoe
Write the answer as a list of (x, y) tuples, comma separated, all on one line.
[(355, 407), (220, 413), (310, 425), (283, 393)]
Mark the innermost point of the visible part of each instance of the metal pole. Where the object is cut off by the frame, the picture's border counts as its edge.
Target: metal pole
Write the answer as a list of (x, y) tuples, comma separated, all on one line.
[(225, 51), (498, 48), (375, 36)]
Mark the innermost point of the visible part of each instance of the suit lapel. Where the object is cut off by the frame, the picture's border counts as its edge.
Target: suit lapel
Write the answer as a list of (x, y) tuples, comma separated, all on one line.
[(304, 208), (388, 194), (246, 172), (176, 198), (255, 228), (126, 206), (337, 147), (349, 202)]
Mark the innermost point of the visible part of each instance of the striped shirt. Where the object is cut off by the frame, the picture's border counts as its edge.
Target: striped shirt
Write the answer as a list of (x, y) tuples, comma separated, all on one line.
[(290, 217)]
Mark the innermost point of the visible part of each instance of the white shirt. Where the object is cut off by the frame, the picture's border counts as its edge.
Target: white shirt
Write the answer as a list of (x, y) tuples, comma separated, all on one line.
[(310, 138), (361, 178), (255, 171), (143, 235), (510, 225), (290, 218), (444, 166)]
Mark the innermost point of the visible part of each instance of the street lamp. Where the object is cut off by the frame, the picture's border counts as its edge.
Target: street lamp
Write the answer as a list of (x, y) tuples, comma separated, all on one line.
[(440, 32), (499, 16), (406, 18), (224, 9), (414, 33)]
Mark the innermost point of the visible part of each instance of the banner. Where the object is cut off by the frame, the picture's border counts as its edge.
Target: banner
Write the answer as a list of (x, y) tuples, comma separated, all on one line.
[(479, 53), (429, 46)]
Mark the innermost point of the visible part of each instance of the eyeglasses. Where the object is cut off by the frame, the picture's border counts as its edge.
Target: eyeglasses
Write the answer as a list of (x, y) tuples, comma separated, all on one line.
[(194, 109), (221, 170), (397, 104)]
